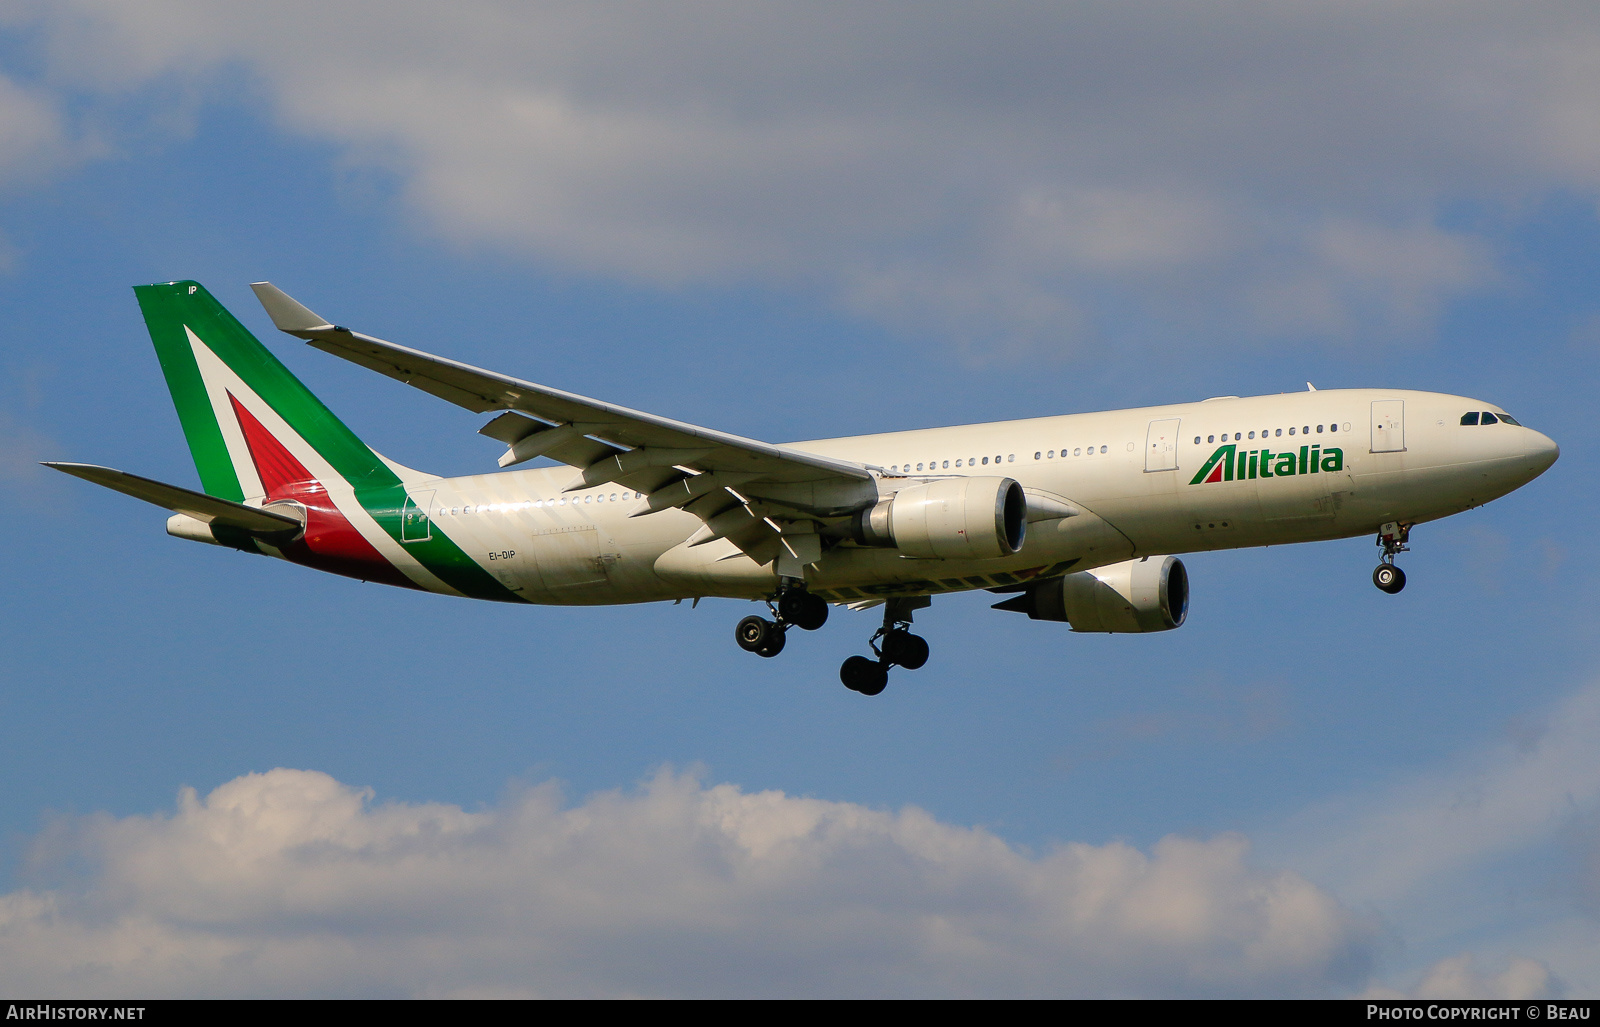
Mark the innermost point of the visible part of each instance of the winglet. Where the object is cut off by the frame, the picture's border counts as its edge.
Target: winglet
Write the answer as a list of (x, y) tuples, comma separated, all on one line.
[(286, 313)]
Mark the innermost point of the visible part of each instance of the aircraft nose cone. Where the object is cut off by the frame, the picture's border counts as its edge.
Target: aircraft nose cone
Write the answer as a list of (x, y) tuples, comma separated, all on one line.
[(1542, 452)]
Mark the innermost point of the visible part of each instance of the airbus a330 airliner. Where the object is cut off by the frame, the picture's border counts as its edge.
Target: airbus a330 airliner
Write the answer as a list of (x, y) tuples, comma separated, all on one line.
[(1077, 516)]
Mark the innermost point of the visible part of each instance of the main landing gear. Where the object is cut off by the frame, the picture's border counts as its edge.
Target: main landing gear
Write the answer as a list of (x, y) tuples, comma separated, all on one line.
[(893, 645), (794, 606), (1392, 537)]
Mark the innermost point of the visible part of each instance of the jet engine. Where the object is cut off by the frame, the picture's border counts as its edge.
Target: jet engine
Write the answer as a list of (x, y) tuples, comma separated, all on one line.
[(950, 519), (1147, 594)]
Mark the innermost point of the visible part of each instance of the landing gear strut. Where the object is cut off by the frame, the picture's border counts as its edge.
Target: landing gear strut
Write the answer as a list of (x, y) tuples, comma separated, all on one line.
[(893, 645), (1392, 537), (794, 606)]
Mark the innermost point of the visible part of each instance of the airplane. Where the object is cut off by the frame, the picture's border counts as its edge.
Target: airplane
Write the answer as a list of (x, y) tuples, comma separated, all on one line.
[(1076, 518)]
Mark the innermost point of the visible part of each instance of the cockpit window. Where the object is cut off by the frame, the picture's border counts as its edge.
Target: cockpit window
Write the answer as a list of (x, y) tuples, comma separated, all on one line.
[(1471, 417), (1489, 418), (1507, 418)]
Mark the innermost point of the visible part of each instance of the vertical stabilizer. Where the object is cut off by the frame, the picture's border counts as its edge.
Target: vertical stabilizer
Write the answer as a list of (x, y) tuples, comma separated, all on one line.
[(231, 394), (260, 437)]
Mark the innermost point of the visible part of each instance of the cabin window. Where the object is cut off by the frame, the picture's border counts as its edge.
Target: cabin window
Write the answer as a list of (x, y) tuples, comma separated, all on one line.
[(986, 461), (1102, 449), (1252, 435), (1051, 455), (1333, 427), (1237, 436), (1489, 418), (1210, 438), (1305, 430), (947, 463), (1319, 429), (1291, 431), (1280, 431), (1038, 454), (1011, 458), (1197, 440), (1077, 452)]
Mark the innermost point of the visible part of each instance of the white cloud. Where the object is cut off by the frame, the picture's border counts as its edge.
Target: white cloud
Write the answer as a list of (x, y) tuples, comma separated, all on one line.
[(1006, 168), (1493, 851), (1459, 977), (292, 883), (33, 142), (1528, 790)]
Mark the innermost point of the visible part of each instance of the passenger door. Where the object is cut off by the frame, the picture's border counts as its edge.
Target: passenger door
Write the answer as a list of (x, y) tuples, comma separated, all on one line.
[(1388, 426), (1161, 445)]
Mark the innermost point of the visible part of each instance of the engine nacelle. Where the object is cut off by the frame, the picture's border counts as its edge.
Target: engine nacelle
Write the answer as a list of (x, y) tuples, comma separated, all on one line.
[(949, 519), (1147, 594)]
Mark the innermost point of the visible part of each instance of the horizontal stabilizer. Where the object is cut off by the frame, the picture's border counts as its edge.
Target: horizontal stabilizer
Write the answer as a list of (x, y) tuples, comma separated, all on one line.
[(198, 505)]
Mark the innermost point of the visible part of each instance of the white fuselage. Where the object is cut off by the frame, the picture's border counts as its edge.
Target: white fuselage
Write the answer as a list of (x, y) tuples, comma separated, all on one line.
[(1403, 457)]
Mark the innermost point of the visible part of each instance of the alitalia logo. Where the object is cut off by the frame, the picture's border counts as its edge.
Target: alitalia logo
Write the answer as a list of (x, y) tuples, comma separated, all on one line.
[(1230, 463)]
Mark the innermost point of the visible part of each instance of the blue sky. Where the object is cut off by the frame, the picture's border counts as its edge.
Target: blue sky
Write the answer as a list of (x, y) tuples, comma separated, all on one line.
[(801, 222)]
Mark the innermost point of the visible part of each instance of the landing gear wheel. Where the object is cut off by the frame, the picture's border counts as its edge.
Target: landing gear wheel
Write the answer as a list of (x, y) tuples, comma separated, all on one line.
[(860, 674), (802, 609), (757, 635), (1389, 578), (904, 649)]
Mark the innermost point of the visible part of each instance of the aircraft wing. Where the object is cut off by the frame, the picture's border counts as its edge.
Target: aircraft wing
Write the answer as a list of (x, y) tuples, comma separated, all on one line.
[(674, 463)]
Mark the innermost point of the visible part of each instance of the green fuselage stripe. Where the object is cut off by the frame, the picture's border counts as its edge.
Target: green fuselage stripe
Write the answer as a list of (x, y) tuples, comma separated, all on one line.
[(439, 554)]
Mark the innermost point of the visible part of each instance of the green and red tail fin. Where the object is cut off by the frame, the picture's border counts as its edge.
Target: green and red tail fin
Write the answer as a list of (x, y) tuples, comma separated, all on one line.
[(235, 400), (259, 435)]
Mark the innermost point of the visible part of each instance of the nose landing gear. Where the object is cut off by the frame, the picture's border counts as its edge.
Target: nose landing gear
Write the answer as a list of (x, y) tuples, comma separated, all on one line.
[(893, 645), (795, 606), (1392, 537)]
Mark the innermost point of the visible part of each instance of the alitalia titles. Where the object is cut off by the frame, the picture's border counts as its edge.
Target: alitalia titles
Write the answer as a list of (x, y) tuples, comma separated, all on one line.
[(1230, 463)]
